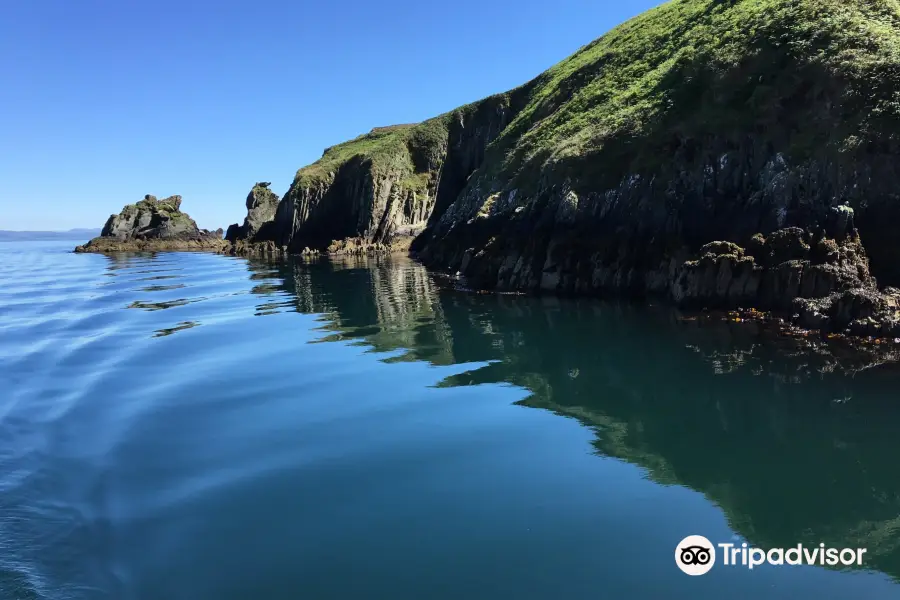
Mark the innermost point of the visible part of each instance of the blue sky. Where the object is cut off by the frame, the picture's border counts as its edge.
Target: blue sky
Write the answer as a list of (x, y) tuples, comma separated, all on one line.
[(102, 102)]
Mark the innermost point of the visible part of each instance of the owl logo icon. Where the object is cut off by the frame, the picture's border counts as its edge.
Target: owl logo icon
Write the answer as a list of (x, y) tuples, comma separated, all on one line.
[(695, 555)]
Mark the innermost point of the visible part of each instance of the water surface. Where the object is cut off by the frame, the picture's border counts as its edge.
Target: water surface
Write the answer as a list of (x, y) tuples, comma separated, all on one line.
[(197, 426)]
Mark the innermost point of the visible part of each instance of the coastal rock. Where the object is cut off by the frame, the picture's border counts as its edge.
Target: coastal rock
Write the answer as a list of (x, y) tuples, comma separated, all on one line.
[(363, 246), (258, 225), (151, 225), (834, 293), (778, 272), (864, 311), (261, 249)]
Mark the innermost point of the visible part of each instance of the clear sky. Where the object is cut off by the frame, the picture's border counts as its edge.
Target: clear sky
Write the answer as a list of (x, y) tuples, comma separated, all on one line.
[(102, 102)]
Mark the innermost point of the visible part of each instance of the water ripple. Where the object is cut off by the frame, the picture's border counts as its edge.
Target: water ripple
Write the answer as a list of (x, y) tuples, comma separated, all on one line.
[(375, 418), (65, 352)]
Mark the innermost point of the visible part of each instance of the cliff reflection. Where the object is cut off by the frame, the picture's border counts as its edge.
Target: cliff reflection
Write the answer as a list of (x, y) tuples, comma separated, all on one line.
[(794, 441), (388, 304)]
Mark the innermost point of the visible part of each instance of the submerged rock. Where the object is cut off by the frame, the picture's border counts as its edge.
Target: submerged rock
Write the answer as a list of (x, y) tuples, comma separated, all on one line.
[(153, 224)]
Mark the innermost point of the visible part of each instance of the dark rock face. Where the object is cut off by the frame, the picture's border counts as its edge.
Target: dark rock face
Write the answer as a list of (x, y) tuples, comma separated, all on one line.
[(817, 275), (773, 272), (358, 201), (261, 206), (468, 137), (826, 286), (233, 233), (153, 224)]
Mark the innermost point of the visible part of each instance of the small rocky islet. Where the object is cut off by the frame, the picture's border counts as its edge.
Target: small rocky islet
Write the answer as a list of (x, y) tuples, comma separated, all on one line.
[(740, 154), (153, 225)]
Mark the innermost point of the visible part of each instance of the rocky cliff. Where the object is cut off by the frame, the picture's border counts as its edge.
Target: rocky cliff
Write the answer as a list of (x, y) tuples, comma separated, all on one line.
[(381, 190), (261, 206), (714, 152), (153, 224), (656, 158)]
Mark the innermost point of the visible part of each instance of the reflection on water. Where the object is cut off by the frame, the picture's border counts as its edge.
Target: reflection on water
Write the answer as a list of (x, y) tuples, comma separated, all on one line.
[(162, 288), (159, 305), (155, 277), (180, 327), (795, 444), (268, 429)]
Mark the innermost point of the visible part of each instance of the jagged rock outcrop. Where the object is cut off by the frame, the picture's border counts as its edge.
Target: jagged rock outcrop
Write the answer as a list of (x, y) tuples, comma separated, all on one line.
[(259, 222), (822, 282), (153, 224)]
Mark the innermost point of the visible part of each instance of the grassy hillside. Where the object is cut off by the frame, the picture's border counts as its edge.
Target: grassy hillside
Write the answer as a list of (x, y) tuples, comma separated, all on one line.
[(694, 67), (660, 71)]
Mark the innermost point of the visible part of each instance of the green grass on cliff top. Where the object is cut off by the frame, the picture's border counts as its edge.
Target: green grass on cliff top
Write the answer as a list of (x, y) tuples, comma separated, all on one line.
[(384, 146), (666, 62), (674, 64)]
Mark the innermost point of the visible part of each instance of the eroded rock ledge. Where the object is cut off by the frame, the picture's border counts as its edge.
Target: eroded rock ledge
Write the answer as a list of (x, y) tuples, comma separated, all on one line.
[(817, 277), (356, 246), (818, 282), (152, 225)]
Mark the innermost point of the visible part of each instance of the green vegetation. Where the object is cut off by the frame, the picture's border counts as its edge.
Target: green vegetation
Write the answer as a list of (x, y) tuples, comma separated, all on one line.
[(383, 147), (806, 76), (699, 67), (417, 182)]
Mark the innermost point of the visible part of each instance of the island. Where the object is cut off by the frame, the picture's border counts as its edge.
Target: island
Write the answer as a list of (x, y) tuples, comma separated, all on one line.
[(153, 225)]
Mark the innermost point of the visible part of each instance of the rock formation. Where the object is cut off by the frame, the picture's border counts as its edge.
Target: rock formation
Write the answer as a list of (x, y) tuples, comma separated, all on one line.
[(152, 224), (261, 206)]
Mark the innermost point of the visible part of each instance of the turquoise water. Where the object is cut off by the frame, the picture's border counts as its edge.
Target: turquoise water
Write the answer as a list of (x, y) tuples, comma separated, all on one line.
[(199, 426)]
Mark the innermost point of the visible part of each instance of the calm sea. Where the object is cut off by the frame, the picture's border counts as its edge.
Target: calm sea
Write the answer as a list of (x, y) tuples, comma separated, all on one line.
[(193, 426)]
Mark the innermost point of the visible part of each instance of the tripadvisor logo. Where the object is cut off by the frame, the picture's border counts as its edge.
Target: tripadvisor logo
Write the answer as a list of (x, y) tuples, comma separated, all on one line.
[(696, 555)]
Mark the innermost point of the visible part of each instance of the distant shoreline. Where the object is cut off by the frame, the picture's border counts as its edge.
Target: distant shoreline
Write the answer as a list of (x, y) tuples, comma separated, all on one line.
[(33, 236)]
